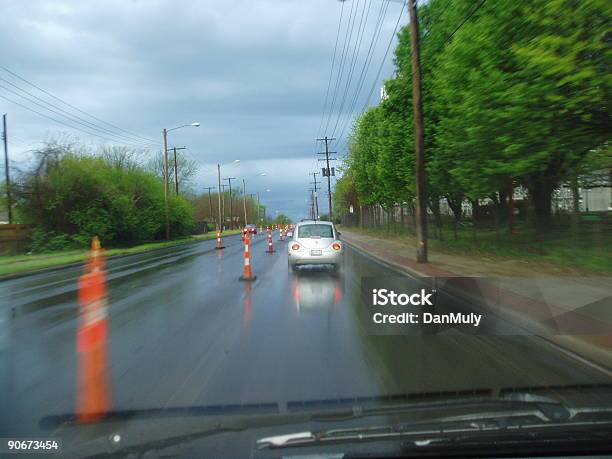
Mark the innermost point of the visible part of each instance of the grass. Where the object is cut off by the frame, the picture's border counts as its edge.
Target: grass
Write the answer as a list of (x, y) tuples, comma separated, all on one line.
[(15, 264), (587, 249)]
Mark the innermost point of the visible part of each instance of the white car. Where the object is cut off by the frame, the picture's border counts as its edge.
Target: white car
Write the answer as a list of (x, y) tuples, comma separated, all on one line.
[(315, 242)]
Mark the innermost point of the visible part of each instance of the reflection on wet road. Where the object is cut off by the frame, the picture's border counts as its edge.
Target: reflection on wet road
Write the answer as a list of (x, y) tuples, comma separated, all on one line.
[(184, 331)]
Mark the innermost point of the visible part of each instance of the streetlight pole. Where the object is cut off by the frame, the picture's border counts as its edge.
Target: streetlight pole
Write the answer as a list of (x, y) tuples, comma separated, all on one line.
[(166, 174)]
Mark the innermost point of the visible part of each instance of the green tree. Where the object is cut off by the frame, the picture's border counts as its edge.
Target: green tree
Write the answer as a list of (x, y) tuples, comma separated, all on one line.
[(521, 91), (73, 196)]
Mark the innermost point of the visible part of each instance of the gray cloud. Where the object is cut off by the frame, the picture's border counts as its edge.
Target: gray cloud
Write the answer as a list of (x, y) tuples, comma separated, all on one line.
[(253, 73)]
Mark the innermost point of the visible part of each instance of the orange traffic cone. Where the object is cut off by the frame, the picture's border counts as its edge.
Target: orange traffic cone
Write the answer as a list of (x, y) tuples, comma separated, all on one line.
[(93, 388), (248, 273), (219, 240), (270, 248)]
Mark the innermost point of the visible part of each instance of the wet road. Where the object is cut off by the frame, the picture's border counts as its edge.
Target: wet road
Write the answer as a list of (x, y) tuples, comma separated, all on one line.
[(184, 331)]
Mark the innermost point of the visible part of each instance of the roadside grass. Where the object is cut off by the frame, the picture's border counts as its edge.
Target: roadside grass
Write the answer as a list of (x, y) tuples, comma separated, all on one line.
[(15, 264), (587, 249)]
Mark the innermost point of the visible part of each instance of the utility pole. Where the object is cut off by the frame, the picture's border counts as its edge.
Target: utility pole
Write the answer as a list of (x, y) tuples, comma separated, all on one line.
[(312, 204), (244, 200), (210, 200), (417, 104), (6, 171), (166, 184), (328, 172), (315, 199), (229, 179), (253, 196), (220, 228), (223, 187), (176, 185)]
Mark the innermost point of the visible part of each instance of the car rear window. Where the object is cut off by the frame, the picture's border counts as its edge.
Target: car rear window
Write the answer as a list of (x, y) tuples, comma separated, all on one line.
[(315, 231)]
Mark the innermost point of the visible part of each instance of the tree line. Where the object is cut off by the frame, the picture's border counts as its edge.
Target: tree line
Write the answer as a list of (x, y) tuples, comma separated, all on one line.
[(516, 94), (69, 193)]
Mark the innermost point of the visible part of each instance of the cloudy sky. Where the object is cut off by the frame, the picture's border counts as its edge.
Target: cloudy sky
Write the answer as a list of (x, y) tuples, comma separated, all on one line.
[(254, 73)]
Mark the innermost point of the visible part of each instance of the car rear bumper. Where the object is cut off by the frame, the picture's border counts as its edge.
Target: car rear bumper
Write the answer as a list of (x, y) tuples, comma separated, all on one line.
[(305, 258)]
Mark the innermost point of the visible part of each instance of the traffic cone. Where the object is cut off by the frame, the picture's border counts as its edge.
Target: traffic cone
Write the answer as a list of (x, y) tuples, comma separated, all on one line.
[(248, 273), (219, 240), (270, 248), (280, 234), (93, 388)]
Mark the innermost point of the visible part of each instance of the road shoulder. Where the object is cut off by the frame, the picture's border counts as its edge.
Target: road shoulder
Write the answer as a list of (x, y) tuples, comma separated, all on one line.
[(15, 266), (510, 294)]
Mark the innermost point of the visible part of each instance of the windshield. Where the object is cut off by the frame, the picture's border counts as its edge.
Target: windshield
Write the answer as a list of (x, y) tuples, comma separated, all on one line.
[(323, 228), (315, 231)]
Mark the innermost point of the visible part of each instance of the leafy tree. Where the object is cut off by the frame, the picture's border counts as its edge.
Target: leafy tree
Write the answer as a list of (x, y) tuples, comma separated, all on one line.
[(282, 219), (186, 169), (522, 90)]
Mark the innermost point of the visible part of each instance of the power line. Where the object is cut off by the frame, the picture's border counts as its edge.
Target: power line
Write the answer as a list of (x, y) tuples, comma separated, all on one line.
[(366, 65), (354, 58), (467, 18), (55, 119), (74, 120), (433, 21), (383, 59), (331, 72), (66, 113), (76, 108), (346, 45)]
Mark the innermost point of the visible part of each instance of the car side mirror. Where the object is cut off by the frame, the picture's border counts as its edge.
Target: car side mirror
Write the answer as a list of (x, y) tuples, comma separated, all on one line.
[(338, 233)]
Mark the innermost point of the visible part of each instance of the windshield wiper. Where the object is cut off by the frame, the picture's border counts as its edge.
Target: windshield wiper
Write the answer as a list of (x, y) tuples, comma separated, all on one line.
[(461, 413), (543, 420)]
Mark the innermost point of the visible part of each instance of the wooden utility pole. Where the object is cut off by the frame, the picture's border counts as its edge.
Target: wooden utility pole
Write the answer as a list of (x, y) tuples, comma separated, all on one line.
[(417, 103), (223, 187), (166, 204), (220, 222), (328, 172), (244, 201), (7, 183), (231, 209), (315, 202), (176, 183), (210, 200)]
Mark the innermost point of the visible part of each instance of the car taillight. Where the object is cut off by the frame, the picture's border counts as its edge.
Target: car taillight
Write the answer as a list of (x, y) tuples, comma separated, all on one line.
[(336, 246), (295, 247)]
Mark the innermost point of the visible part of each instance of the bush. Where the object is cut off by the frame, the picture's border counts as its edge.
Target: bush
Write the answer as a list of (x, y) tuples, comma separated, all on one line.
[(50, 241), (72, 197)]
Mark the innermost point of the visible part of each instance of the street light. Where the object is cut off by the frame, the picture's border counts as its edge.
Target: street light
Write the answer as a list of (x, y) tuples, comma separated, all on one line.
[(236, 161), (166, 205)]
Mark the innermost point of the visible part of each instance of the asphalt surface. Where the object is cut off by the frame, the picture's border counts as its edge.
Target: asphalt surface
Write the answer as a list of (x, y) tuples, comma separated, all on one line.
[(185, 331)]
